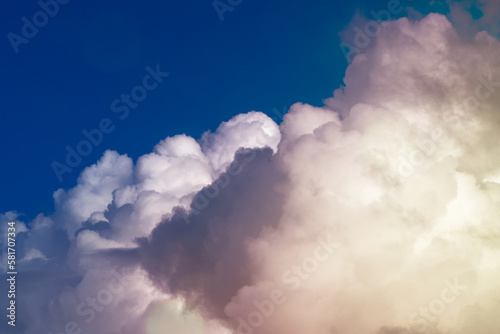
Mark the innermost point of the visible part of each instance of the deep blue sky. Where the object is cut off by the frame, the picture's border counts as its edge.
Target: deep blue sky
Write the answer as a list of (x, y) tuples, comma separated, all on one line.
[(264, 55)]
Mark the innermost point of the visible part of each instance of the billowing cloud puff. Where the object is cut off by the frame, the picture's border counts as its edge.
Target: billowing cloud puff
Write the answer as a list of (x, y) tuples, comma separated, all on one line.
[(376, 213), (253, 129), (94, 190)]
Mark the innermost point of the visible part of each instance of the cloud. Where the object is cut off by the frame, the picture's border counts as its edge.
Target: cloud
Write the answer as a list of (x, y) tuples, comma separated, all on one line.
[(253, 129), (376, 213), (114, 203), (205, 261), (94, 190), (485, 18), (413, 246)]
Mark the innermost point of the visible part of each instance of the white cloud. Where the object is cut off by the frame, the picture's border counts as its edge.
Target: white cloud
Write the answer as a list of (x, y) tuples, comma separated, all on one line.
[(250, 130)]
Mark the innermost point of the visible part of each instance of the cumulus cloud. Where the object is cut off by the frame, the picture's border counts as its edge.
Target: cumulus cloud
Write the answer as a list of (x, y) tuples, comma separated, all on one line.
[(114, 203), (376, 213), (253, 129)]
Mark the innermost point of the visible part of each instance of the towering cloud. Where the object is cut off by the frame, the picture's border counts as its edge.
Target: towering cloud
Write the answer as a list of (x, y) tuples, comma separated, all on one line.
[(376, 213)]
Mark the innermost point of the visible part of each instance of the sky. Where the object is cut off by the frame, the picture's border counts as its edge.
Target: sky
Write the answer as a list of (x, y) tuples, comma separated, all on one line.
[(262, 56), (64, 79), (246, 167)]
